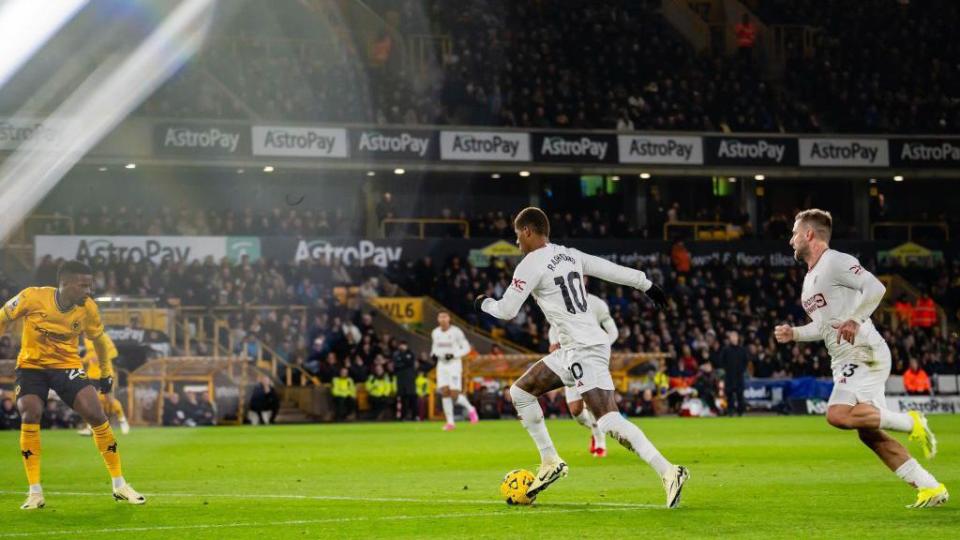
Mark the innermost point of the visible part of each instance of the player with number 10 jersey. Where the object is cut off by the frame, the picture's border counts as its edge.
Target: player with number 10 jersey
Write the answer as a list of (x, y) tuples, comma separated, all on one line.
[(554, 275)]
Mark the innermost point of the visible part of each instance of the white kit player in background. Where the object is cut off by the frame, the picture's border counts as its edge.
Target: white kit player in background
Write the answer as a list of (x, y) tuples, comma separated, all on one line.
[(554, 275), (839, 296), (601, 312), (449, 348)]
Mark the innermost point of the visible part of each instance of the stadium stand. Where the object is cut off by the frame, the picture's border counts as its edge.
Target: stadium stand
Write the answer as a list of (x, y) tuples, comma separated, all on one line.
[(629, 70)]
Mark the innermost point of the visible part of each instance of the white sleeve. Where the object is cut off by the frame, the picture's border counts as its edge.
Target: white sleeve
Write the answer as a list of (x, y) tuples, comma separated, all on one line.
[(462, 345), (553, 335), (610, 326), (807, 332), (525, 278), (433, 343), (602, 312), (614, 273), (847, 272)]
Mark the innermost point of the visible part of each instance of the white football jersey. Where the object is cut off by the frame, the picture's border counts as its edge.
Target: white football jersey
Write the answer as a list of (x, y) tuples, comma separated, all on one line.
[(554, 275), (453, 341), (835, 290), (601, 311)]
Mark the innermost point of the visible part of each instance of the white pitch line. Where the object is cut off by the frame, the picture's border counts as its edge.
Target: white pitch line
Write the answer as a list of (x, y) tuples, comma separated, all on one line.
[(347, 498), (294, 522)]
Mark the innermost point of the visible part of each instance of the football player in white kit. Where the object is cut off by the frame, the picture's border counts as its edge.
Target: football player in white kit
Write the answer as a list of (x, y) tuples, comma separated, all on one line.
[(449, 348), (583, 416), (839, 296), (554, 274)]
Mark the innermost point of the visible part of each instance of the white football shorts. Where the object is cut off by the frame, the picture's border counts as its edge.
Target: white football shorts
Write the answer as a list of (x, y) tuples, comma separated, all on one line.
[(582, 368), (862, 377), (450, 374)]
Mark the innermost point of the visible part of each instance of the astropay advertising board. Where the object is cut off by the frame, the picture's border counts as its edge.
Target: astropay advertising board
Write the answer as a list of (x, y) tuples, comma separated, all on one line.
[(844, 153), (484, 146), (661, 150), (290, 141), (157, 249), (30, 133)]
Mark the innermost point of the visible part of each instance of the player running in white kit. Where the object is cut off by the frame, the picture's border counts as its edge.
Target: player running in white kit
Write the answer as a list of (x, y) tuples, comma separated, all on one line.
[(840, 295), (448, 349), (554, 275), (583, 416)]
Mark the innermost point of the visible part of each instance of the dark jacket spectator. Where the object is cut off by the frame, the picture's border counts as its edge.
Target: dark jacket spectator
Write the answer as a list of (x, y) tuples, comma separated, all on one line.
[(264, 403)]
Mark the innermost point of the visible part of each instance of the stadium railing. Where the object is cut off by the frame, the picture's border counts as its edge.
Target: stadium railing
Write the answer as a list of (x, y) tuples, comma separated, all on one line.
[(910, 226), (704, 230), (421, 223), (150, 383), (509, 367)]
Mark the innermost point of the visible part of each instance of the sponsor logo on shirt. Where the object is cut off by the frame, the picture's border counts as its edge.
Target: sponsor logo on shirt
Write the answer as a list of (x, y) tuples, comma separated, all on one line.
[(814, 303), (518, 284), (856, 269)]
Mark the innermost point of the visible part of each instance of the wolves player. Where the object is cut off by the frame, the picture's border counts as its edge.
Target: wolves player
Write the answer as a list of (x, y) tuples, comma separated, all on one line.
[(554, 274), (598, 441), (111, 405), (449, 348), (840, 295), (49, 359)]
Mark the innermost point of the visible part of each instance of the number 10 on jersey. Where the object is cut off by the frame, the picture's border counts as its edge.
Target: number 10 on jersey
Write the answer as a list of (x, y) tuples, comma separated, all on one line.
[(573, 294)]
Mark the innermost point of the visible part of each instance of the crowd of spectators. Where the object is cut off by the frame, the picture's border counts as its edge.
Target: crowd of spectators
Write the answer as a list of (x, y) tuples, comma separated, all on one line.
[(879, 65), (189, 408), (514, 66), (56, 415), (328, 339), (707, 303)]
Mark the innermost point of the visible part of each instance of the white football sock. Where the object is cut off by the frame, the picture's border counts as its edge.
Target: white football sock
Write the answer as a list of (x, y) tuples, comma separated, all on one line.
[(118, 482), (464, 402), (896, 421), (586, 419), (531, 416), (36, 488), (914, 474), (633, 439), (448, 409)]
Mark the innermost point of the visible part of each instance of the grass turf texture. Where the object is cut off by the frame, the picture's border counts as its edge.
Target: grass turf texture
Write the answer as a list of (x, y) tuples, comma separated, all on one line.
[(763, 477)]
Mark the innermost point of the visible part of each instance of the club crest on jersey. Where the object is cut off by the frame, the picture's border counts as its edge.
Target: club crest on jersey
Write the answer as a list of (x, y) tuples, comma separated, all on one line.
[(518, 284), (814, 303), (76, 325)]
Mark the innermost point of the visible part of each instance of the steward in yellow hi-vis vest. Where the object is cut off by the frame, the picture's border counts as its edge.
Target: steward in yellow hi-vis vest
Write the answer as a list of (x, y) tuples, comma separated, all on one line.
[(49, 359)]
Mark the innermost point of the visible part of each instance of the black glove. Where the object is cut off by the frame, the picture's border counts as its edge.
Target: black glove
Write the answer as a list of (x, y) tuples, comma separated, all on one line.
[(657, 296), (448, 356), (478, 301), (106, 385)]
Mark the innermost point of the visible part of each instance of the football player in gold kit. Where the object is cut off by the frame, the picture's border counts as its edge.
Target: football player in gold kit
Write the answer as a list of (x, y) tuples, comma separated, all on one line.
[(111, 405), (53, 319)]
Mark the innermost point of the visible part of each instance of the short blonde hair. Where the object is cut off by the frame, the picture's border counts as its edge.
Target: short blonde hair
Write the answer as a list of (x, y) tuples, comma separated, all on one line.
[(819, 220)]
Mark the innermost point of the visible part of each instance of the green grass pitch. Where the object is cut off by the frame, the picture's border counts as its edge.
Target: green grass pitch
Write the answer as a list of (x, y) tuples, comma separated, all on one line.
[(762, 477)]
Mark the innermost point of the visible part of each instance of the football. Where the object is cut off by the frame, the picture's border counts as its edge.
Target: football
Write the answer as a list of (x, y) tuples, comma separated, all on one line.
[(514, 487)]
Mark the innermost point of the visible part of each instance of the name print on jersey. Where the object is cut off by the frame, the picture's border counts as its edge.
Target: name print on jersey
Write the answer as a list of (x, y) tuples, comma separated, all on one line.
[(814, 303), (559, 258)]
